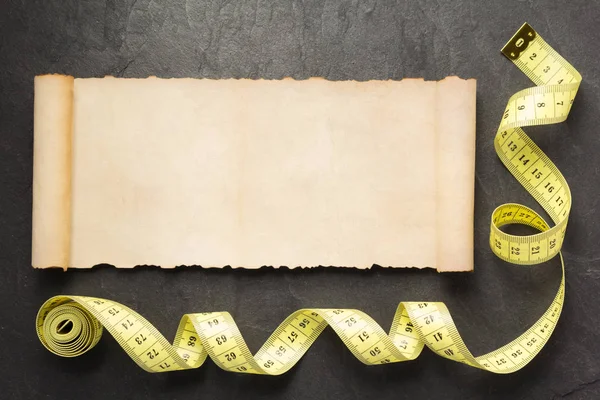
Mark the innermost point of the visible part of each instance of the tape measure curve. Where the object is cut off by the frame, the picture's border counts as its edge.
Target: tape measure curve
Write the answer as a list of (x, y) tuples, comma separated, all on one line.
[(71, 325)]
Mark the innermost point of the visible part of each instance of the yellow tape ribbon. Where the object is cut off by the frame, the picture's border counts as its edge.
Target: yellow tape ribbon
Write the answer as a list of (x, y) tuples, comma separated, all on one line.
[(71, 325)]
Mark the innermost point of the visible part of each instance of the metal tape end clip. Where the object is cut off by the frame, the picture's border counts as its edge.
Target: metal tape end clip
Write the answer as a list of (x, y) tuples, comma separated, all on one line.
[(519, 42)]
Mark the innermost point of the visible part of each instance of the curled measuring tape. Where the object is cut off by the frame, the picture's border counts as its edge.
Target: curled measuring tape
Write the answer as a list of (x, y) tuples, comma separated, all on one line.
[(71, 325)]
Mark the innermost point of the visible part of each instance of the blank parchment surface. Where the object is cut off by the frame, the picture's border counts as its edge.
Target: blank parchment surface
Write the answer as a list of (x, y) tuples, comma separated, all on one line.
[(249, 173)]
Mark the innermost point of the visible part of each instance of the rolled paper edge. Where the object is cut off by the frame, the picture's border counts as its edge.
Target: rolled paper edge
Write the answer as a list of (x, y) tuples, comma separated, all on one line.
[(455, 192), (52, 137)]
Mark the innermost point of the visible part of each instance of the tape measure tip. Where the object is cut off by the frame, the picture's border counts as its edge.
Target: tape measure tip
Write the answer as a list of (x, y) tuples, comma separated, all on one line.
[(519, 42)]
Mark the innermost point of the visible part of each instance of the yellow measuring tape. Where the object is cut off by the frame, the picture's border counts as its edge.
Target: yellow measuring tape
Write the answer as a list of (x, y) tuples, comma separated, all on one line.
[(71, 325)]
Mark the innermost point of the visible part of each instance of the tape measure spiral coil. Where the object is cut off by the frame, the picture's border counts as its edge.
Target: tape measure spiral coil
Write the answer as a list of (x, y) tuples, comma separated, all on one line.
[(71, 325)]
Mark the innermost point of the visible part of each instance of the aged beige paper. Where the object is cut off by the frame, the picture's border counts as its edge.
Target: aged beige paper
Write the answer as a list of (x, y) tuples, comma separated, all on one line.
[(249, 173)]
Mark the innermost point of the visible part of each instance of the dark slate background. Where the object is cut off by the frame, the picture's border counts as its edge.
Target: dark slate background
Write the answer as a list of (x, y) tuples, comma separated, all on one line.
[(337, 40)]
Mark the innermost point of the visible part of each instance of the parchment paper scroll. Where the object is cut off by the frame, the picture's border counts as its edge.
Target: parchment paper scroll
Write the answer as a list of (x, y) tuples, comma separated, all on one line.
[(249, 173)]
